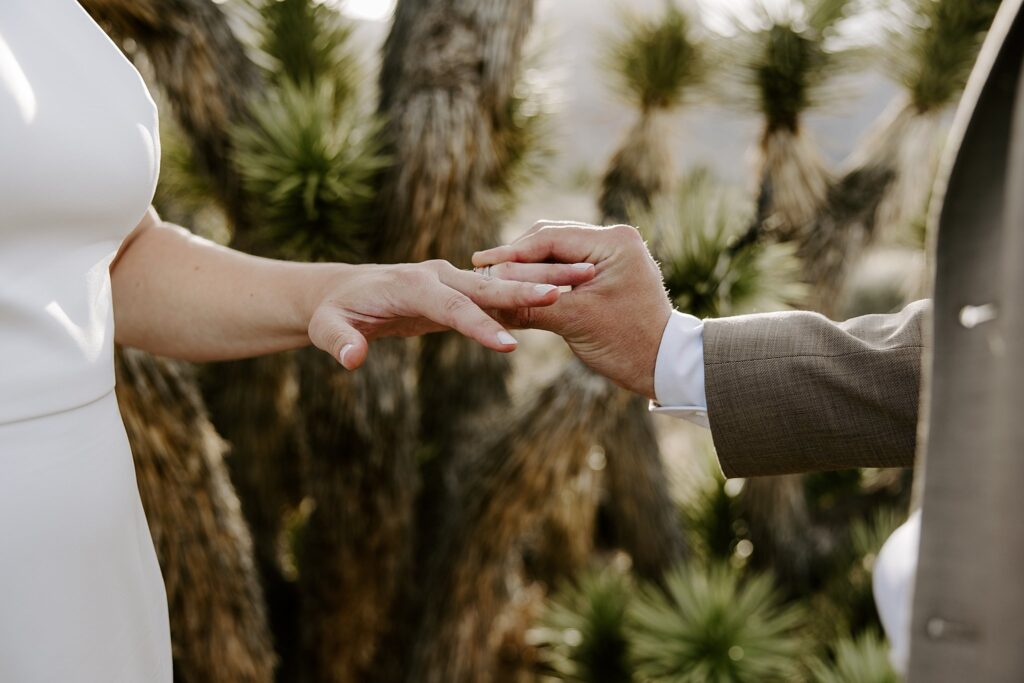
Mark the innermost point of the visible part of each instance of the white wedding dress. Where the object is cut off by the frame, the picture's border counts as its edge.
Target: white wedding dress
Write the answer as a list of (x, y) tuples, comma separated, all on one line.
[(81, 596)]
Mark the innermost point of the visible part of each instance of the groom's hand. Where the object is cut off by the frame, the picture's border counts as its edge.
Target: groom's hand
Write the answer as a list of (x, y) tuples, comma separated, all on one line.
[(615, 322)]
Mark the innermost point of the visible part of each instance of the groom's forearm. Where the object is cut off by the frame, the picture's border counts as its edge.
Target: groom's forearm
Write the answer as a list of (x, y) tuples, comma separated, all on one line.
[(796, 392)]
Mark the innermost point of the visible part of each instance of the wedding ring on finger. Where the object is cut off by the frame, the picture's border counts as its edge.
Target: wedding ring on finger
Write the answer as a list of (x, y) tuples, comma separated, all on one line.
[(483, 270)]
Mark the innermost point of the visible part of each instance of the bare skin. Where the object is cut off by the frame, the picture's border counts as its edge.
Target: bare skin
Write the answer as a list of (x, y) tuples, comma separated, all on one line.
[(178, 295), (614, 323)]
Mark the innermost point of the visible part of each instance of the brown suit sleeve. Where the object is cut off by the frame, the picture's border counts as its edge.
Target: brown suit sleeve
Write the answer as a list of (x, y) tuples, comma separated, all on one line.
[(795, 392)]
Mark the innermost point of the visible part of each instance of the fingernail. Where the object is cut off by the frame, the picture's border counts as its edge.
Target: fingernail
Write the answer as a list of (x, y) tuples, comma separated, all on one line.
[(344, 351), (506, 338), (544, 289), (583, 266)]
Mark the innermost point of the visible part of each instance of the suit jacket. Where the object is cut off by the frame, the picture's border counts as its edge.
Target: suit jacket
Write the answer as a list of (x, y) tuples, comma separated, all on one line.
[(795, 392)]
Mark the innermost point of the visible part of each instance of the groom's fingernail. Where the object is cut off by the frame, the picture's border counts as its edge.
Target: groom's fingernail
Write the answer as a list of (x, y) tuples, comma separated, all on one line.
[(544, 289), (344, 352), (583, 266), (506, 338)]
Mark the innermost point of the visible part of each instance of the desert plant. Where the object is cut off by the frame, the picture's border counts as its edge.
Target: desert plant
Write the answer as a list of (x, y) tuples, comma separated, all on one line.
[(848, 592), (454, 152), (707, 273), (657, 64), (582, 632), (312, 155), (930, 46), (856, 660), (508, 494), (308, 45), (784, 66), (712, 625), (313, 166), (202, 542)]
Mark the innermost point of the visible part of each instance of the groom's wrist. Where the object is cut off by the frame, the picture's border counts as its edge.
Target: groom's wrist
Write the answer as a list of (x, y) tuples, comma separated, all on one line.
[(679, 370)]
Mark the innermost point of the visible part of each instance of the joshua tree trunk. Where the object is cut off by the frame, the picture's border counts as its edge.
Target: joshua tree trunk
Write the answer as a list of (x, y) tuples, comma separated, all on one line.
[(643, 518), (794, 182), (254, 405), (508, 496), (448, 74), (641, 514), (361, 479), (218, 626), (639, 171)]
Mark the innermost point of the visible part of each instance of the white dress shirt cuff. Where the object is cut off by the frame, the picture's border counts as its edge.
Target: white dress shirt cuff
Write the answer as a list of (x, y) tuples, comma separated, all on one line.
[(679, 370)]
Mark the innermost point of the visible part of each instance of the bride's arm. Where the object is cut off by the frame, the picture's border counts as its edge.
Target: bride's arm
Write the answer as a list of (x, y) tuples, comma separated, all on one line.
[(178, 295)]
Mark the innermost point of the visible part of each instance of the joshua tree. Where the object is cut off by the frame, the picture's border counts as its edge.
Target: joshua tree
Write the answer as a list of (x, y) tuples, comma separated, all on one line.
[(218, 627), (783, 66), (930, 47), (454, 135), (313, 156), (514, 491), (582, 633), (658, 64), (181, 41), (446, 84)]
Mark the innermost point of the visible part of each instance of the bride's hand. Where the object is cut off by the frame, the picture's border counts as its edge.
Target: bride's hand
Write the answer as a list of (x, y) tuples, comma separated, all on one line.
[(357, 304)]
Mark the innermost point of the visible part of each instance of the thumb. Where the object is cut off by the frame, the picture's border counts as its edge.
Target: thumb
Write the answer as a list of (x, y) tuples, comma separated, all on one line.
[(330, 331)]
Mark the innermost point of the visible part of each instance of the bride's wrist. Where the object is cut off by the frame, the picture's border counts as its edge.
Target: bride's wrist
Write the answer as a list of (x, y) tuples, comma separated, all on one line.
[(319, 281)]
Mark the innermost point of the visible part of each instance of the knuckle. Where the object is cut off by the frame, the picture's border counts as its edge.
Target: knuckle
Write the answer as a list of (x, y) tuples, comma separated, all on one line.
[(437, 266), (454, 305), (627, 233)]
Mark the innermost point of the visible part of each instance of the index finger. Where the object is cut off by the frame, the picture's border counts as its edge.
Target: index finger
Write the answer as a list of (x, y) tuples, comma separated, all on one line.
[(567, 244)]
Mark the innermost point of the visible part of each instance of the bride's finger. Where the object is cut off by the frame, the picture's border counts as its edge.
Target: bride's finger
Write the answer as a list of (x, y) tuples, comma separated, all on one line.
[(454, 309), (551, 273)]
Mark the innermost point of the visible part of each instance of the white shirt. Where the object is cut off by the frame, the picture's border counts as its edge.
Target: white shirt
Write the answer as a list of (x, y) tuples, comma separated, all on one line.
[(679, 388)]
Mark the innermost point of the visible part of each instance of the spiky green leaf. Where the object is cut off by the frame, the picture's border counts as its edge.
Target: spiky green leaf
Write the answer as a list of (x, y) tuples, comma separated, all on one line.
[(714, 627), (935, 43), (659, 61), (582, 631), (313, 171), (308, 44), (861, 660), (782, 66), (694, 235)]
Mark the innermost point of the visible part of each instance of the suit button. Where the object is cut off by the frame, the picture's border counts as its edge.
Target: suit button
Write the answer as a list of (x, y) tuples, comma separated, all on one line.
[(938, 628), (935, 627)]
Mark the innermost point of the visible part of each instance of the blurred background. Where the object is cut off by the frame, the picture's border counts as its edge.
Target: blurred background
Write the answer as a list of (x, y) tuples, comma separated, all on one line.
[(449, 515)]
